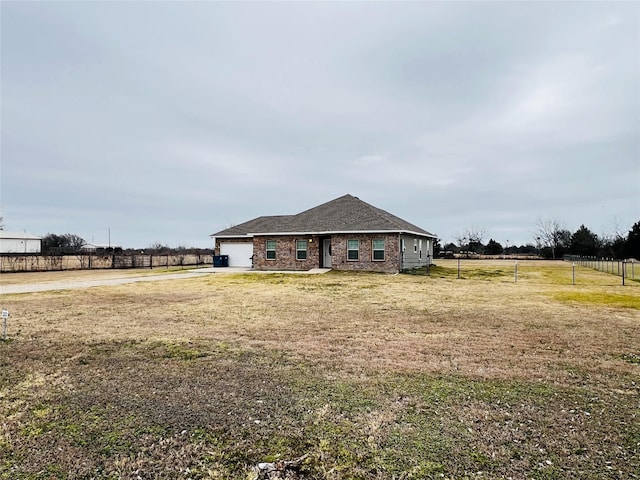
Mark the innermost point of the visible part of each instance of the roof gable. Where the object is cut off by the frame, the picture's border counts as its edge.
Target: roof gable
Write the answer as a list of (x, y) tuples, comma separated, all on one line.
[(344, 214)]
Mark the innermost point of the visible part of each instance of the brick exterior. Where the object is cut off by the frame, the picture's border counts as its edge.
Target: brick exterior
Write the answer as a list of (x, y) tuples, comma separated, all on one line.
[(285, 259), (343, 214), (286, 253), (365, 262)]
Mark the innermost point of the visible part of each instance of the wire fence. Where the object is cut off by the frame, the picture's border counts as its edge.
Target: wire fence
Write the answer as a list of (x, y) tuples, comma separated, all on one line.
[(626, 269)]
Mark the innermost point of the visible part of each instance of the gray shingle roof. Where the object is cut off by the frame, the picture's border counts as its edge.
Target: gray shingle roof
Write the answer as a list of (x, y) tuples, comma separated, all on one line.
[(344, 214)]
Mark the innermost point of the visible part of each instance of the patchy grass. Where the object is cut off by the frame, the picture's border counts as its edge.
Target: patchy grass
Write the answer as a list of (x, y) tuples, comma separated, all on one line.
[(371, 376), (601, 298)]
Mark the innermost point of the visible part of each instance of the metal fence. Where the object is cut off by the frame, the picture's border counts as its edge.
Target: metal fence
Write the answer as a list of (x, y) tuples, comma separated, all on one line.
[(621, 268)]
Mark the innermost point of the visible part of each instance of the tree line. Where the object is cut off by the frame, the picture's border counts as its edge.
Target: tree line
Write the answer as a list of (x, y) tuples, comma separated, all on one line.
[(551, 240), (71, 244)]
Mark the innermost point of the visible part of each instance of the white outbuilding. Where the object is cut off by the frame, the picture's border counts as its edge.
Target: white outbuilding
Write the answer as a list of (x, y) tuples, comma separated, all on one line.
[(17, 242)]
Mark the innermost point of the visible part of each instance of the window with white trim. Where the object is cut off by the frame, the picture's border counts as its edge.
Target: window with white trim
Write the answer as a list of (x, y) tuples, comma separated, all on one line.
[(378, 249), (271, 249), (301, 249), (420, 248), (353, 249), (415, 245)]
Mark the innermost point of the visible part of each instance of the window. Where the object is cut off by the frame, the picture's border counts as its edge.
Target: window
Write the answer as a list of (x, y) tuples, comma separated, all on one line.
[(378, 249), (420, 244), (271, 249), (301, 249), (415, 245), (353, 249)]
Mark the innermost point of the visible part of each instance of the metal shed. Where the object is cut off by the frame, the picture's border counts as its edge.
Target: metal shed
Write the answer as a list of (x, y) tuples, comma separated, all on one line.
[(16, 243)]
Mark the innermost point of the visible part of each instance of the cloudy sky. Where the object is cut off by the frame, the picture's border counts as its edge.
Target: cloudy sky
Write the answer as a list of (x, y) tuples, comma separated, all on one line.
[(166, 122)]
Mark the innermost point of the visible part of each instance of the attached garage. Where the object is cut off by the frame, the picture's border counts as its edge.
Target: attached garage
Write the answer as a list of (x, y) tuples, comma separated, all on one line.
[(239, 253), (342, 234)]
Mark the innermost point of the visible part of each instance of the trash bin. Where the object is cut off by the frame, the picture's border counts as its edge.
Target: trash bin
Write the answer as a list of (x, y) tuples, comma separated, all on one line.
[(221, 260)]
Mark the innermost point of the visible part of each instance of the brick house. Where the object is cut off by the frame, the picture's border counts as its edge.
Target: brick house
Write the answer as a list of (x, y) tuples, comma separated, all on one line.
[(343, 234)]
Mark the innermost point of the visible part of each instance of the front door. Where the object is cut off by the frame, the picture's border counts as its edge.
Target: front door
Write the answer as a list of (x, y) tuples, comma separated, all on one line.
[(326, 255)]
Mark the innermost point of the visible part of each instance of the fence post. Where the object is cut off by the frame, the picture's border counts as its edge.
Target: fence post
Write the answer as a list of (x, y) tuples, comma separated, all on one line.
[(5, 318), (623, 265), (573, 274), (458, 267)]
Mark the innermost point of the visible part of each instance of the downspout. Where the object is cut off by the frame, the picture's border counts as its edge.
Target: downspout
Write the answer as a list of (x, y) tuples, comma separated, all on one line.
[(400, 253)]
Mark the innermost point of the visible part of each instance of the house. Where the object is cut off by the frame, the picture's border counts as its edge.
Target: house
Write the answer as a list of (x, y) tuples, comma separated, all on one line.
[(16, 243), (343, 234), (100, 248)]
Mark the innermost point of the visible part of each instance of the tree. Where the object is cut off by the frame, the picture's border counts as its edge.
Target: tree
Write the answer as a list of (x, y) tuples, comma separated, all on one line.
[(158, 248), (73, 241), (69, 242), (493, 248), (631, 247), (436, 247), (584, 242), (471, 239), (451, 247), (552, 237)]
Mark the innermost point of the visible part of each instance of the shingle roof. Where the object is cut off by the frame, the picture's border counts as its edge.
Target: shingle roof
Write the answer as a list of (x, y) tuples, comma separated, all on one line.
[(344, 214)]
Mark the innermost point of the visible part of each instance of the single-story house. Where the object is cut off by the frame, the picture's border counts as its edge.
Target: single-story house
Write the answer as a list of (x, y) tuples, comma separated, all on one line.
[(100, 248), (16, 243), (343, 234)]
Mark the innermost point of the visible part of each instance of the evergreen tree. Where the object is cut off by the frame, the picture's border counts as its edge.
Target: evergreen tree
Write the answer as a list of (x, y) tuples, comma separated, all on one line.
[(631, 247), (584, 242), (493, 248)]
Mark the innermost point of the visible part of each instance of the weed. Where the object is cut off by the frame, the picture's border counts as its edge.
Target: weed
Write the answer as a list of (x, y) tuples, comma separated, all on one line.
[(182, 352), (631, 358)]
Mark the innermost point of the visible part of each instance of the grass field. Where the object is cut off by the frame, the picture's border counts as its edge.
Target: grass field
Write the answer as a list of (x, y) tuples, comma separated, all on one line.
[(370, 376)]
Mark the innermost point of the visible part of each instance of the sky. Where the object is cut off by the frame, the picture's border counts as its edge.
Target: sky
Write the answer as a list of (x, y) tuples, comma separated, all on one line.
[(164, 122)]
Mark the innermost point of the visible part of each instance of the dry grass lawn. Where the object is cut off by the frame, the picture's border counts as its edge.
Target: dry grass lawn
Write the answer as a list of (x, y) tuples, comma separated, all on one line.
[(371, 376)]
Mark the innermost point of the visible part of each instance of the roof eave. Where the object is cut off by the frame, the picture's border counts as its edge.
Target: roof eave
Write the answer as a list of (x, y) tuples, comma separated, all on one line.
[(327, 232), (239, 235)]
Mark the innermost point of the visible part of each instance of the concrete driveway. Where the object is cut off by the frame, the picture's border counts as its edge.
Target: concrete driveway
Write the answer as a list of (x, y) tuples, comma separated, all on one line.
[(76, 284)]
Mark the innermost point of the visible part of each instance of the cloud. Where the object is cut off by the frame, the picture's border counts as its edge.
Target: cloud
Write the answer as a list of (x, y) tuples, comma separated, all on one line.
[(206, 114)]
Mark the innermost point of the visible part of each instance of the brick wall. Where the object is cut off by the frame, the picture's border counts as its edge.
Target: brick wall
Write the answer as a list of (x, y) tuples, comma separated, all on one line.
[(365, 262), (286, 253)]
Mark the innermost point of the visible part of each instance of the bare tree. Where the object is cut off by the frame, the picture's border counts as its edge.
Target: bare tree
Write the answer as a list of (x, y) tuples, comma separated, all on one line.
[(476, 235), (73, 241), (471, 239), (551, 234), (158, 248)]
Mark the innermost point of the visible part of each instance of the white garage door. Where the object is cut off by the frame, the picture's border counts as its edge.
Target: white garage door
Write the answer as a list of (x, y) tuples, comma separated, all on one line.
[(239, 253)]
